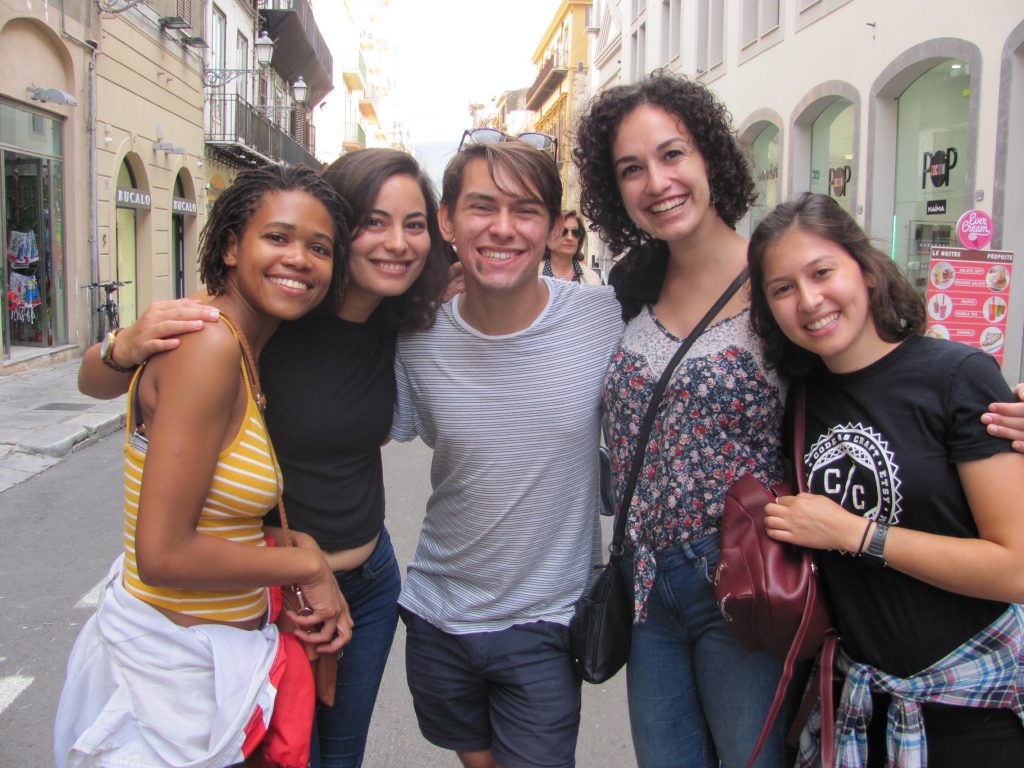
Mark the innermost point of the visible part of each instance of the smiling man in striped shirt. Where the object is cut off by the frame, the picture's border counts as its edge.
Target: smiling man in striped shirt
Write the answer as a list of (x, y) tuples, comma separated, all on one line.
[(506, 388)]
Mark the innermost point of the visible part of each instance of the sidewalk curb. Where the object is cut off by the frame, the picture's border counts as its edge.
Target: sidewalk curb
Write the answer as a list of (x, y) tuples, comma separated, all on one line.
[(59, 440)]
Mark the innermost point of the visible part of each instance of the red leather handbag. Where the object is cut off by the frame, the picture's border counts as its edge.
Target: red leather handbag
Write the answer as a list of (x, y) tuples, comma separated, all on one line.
[(768, 590)]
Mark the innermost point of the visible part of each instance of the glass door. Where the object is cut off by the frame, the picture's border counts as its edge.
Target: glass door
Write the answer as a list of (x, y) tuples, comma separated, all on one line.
[(26, 240)]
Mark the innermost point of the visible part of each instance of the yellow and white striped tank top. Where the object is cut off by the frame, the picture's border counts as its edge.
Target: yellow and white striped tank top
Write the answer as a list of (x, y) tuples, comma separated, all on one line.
[(245, 486)]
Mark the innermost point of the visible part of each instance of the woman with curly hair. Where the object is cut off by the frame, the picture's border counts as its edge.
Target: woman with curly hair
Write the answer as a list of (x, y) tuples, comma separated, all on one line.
[(330, 382), (564, 259), (664, 180)]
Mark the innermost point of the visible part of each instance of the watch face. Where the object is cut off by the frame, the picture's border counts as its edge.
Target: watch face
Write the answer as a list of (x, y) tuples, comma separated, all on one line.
[(105, 347)]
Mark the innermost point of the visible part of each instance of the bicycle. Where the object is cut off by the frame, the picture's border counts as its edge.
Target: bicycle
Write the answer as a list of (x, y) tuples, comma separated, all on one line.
[(109, 317)]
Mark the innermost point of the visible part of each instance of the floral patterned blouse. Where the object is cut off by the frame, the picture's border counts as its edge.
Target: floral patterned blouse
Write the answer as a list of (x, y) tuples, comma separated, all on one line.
[(720, 418)]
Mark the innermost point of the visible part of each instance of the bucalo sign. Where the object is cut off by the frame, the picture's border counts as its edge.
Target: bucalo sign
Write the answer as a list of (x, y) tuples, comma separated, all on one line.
[(128, 197), (184, 206)]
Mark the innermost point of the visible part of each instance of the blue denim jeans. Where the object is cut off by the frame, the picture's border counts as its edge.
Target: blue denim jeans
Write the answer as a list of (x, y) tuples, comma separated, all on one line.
[(696, 697), (372, 594)]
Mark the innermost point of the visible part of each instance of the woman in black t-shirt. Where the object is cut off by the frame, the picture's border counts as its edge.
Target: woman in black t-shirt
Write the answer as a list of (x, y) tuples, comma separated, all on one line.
[(916, 510)]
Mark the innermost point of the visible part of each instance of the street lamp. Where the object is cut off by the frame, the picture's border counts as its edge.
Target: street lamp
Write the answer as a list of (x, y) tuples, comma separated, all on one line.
[(215, 78), (299, 89), (298, 92)]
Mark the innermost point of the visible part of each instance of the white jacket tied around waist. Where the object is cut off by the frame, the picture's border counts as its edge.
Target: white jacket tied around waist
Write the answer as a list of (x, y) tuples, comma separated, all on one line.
[(142, 691)]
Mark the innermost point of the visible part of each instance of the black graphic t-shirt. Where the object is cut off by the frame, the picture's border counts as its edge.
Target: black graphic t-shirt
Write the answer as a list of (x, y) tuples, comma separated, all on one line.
[(884, 443)]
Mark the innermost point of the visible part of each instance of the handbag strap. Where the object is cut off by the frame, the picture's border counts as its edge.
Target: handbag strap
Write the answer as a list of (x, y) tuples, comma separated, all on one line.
[(615, 548), (260, 398), (828, 655)]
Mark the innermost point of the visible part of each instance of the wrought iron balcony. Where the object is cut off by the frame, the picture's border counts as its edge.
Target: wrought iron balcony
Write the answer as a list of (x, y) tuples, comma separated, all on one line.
[(243, 134), (550, 77), (354, 138), (300, 49)]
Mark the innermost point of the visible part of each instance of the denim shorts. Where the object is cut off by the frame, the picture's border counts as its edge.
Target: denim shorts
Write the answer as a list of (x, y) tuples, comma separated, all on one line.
[(512, 691)]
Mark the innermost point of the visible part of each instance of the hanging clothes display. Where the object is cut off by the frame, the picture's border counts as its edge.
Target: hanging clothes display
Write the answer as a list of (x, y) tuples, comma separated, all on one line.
[(24, 297), (22, 250)]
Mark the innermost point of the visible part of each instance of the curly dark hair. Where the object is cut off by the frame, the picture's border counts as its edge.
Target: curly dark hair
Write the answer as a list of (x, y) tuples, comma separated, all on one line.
[(896, 307), (234, 208), (704, 116), (358, 177)]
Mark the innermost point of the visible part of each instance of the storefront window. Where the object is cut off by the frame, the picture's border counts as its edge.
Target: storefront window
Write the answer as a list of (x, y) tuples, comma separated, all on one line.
[(33, 306), (832, 165), (765, 152), (930, 186)]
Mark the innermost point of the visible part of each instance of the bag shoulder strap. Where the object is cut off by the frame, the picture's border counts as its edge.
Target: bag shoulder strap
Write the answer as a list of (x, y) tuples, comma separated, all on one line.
[(652, 411), (797, 440)]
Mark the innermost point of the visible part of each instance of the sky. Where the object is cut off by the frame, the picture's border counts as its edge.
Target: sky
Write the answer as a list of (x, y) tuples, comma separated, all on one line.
[(453, 52)]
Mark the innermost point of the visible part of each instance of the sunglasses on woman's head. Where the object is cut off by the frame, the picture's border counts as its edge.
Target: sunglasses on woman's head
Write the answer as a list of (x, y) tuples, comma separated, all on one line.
[(576, 232), (541, 141)]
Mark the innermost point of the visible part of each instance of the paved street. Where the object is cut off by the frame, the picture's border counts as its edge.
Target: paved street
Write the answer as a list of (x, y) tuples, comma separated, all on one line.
[(62, 530)]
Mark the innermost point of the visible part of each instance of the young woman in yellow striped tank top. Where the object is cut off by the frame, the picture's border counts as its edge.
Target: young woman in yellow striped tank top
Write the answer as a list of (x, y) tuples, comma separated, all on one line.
[(199, 477)]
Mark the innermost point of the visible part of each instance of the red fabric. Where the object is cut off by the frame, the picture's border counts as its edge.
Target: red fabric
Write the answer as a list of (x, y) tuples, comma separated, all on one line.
[(285, 742)]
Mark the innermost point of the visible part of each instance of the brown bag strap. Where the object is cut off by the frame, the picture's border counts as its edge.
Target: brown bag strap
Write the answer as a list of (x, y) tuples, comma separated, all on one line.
[(797, 439), (260, 398)]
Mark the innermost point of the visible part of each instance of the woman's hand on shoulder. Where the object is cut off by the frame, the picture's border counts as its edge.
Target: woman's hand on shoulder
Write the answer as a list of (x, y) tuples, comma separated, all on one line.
[(160, 327), (817, 522), (456, 281), (1006, 420)]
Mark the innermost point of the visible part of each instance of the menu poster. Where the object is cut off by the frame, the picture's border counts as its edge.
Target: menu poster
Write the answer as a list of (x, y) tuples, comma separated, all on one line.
[(968, 294)]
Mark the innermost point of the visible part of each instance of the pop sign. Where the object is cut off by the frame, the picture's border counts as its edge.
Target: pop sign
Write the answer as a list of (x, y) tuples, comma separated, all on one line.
[(975, 229)]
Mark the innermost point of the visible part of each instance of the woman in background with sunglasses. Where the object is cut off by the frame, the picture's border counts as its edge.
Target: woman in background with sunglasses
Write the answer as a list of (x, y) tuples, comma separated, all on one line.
[(565, 259), (330, 384)]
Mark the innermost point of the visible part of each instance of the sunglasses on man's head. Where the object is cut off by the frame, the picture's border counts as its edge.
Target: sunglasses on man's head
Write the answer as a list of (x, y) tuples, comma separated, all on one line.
[(541, 141), (576, 232)]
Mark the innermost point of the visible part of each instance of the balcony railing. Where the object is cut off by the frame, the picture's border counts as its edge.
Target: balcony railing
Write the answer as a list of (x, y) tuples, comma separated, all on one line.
[(551, 74), (354, 137), (300, 49), (246, 133), (354, 72)]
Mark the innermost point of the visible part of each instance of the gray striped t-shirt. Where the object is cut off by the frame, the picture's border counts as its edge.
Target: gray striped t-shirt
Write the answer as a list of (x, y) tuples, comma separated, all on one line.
[(511, 530)]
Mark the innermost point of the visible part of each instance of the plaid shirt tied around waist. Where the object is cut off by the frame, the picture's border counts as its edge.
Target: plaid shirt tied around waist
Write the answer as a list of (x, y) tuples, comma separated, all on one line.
[(987, 671)]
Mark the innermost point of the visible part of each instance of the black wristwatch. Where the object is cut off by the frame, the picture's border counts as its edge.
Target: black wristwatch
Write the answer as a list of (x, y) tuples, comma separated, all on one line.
[(875, 552)]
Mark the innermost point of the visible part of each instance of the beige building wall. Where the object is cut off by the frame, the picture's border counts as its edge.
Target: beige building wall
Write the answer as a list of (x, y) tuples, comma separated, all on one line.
[(46, 45), (151, 109)]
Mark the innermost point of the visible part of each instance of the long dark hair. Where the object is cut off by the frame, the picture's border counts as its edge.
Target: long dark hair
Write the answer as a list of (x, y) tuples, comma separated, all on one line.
[(896, 308), (358, 177), (582, 241), (234, 208), (708, 122)]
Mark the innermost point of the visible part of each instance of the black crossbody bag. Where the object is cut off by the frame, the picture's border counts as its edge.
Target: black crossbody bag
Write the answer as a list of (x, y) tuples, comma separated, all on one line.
[(601, 627)]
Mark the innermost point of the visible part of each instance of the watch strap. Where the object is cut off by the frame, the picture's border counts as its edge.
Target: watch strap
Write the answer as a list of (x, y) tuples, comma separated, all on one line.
[(107, 353), (875, 551)]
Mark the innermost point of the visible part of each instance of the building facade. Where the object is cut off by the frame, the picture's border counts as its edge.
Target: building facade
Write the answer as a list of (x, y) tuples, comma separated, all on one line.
[(903, 117), (47, 92), (561, 87), (120, 123)]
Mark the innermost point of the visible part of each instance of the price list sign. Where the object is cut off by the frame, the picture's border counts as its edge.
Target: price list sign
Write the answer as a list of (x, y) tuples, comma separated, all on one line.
[(968, 297)]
